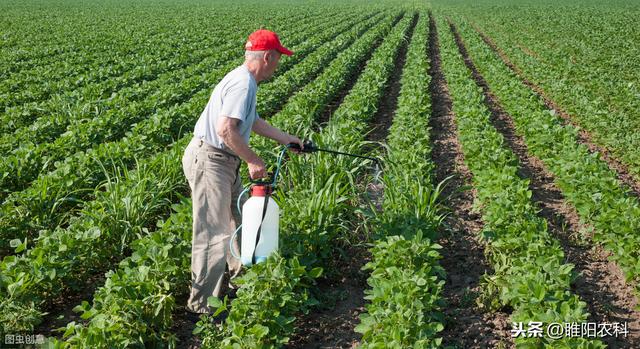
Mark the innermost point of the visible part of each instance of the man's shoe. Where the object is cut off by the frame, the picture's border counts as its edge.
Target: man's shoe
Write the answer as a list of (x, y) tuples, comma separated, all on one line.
[(232, 293), (220, 318), (193, 317)]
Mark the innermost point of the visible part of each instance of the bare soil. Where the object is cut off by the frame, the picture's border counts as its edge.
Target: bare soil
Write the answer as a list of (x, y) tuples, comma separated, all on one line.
[(466, 326), (332, 325), (584, 137), (383, 117), (183, 327), (599, 283), (60, 310)]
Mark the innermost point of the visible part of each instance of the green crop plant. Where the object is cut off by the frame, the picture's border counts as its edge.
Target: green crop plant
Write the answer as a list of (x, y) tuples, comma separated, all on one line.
[(585, 180), (406, 281), (530, 273)]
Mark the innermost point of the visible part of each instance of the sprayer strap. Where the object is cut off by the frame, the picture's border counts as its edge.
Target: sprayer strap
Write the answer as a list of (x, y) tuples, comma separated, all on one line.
[(264, 213)]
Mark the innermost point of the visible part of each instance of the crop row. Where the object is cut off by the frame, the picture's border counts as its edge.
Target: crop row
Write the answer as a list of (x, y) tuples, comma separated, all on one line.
[(590, 70), (404, 308), (38, 84), (48, 119), (72, 108), (257, 317), (89, 65), (530, 275), (112, 122), (83, 254), (111, 332), (48, 201), (585, 180), (115, 30), (112, 33), (82, 94), (54, 45), (111, 47), (135, 304)]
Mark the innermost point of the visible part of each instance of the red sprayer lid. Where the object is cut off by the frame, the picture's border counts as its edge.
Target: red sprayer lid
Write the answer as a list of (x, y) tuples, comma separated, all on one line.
[(261, 190)]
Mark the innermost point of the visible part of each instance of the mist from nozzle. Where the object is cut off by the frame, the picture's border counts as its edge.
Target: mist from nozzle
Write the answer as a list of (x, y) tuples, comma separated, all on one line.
[(377, 176)]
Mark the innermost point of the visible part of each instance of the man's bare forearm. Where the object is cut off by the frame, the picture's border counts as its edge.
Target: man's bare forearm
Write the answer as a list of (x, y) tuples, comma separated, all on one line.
[(235, 142), (263, 128)]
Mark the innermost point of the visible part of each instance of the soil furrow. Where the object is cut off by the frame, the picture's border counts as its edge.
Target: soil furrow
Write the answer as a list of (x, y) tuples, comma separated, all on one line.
[(599, 283), (182, 326), (351, 80), (342, 301), (463, 253), (584, 137), (383, 118), (60, 311), (333, 325)]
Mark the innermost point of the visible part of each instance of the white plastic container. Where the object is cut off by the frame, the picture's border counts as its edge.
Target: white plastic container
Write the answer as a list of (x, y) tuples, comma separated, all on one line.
[(251, 218)]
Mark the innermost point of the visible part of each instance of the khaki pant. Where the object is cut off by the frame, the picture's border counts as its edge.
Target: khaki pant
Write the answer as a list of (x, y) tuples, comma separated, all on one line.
[(215, 186)]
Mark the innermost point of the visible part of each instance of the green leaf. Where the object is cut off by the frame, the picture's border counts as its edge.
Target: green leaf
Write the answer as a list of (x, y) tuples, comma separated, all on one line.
[(214, 302), (315, 272)]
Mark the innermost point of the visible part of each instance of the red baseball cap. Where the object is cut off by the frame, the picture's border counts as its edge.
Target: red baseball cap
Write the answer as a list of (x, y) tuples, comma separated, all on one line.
[(263, 40)]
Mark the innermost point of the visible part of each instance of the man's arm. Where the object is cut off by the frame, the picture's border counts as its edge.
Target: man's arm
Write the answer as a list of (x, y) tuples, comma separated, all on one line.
[(227, 129), (263, 128)]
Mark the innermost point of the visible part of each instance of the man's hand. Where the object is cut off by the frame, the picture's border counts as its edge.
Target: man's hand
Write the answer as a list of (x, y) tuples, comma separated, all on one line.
[(293, 139), (257, 169)]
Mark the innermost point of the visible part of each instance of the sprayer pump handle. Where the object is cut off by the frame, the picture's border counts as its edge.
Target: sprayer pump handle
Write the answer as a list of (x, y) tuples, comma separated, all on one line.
[(309, 147), (268, 180)]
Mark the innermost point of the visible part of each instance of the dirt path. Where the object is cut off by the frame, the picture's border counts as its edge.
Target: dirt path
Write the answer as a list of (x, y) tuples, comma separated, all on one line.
[(463, 254), (600, 283), (383, 118), (584, 137), (332, 324), (182, 326)]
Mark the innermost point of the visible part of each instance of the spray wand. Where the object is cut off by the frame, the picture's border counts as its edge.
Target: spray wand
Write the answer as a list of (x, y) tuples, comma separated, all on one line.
[(309, 147)]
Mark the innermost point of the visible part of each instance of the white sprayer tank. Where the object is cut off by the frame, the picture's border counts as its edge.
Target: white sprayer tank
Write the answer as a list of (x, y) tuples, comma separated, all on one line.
[(251, 219)]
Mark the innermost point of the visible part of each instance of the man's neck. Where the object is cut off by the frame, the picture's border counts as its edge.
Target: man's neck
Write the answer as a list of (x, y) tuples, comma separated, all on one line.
[(254, 69)]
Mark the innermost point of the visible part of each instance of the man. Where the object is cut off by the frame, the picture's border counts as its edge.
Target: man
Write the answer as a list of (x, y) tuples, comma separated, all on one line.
[(212, 159)]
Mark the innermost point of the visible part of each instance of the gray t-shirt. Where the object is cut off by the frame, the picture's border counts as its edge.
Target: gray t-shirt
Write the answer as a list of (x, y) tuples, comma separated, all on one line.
[(234, 97)]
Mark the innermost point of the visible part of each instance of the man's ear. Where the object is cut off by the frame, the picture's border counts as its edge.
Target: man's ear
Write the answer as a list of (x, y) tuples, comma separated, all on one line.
[(267, 57)]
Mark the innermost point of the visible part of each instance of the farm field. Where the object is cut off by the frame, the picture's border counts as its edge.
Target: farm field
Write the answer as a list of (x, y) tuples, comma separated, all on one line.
[(506, 212)]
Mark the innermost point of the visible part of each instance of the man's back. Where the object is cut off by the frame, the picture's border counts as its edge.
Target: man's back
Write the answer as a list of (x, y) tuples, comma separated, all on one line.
[(233, 97)]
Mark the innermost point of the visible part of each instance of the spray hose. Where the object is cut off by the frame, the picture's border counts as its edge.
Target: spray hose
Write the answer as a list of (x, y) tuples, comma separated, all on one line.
[(308, 147)]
